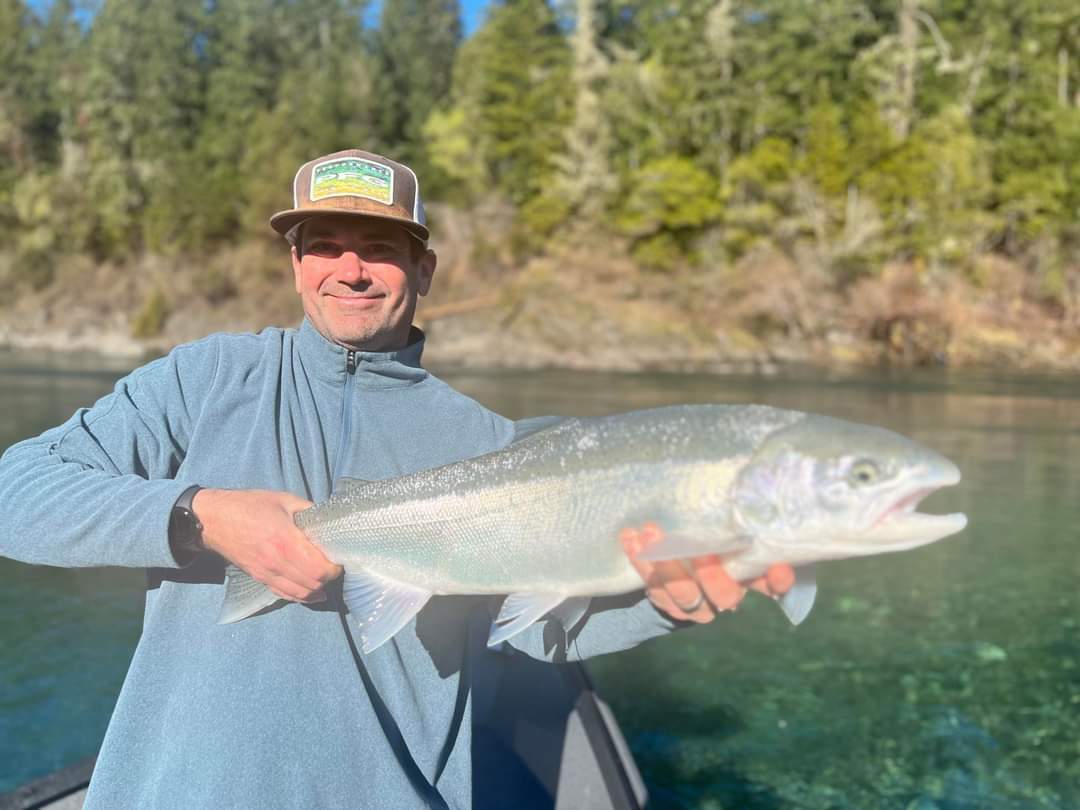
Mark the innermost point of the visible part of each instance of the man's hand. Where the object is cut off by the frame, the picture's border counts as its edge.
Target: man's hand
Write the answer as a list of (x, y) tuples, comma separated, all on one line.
[(254, 530), (699, 588)]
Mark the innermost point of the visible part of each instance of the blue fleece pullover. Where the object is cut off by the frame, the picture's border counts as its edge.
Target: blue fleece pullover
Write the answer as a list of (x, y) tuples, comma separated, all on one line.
[(280, 710)]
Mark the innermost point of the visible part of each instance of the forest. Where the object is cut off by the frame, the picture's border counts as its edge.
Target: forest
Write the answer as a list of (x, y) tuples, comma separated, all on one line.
[(610, 182)]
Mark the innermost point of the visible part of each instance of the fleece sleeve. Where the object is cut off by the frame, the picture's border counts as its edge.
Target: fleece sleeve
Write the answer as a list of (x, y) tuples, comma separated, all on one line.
[(99, 489)]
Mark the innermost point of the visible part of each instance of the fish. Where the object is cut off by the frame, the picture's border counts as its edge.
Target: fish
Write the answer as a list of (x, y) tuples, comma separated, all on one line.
[(538, 521)]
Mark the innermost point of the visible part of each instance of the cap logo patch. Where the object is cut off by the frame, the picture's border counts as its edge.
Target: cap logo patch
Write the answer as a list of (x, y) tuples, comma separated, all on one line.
[(352, 177)]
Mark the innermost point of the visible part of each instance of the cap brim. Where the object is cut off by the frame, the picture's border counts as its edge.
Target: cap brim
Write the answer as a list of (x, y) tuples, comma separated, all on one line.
[(285, 221)]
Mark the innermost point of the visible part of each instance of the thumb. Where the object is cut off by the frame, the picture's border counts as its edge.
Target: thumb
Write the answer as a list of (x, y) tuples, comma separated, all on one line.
[(293, 504)]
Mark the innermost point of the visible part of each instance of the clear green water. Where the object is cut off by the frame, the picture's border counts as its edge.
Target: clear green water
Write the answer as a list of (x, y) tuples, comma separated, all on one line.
[(947, 677)]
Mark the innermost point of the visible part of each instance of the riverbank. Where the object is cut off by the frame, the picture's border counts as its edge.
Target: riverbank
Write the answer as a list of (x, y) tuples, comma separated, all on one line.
[(583, 310)]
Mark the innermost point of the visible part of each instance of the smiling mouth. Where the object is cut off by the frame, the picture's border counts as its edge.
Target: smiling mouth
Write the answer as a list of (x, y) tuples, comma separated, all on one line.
[(355, 299)]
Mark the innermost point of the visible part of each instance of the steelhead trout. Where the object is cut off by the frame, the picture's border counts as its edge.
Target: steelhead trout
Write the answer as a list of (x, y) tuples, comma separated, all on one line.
[(539, 520)]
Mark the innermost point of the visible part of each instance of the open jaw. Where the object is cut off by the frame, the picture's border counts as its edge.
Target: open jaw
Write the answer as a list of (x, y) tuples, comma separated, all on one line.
[(900, 527)]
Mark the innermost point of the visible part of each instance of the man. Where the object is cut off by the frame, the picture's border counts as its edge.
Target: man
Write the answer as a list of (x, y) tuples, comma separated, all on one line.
[(204, 456)]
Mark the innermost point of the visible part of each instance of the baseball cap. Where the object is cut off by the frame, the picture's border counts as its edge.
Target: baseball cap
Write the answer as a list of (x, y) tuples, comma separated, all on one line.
[(357, 183)]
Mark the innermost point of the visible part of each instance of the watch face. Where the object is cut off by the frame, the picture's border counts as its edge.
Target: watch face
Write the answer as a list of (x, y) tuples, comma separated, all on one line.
[(185, 531)]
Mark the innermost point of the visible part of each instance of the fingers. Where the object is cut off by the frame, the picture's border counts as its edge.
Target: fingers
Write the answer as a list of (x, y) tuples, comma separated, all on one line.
[(695, 589), (255, 530), (287, 589), (672, 583), (293, 503), (776, 581), (668, 584), (286, 557), (311, 560), (672, 578), (780, 578), (724, 592), (294, 567)]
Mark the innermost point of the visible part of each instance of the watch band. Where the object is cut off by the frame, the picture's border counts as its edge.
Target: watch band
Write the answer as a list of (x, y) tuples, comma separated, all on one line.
[(185, 529)]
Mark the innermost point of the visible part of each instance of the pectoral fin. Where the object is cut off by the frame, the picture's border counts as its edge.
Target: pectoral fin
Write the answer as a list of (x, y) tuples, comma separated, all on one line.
[(244, 596), (684, 546), (519, 611), (798, 601), (380, 606)]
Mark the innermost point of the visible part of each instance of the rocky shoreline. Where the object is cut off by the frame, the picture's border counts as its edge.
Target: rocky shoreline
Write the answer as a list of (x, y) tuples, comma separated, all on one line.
[(566, 313), (483, 343)]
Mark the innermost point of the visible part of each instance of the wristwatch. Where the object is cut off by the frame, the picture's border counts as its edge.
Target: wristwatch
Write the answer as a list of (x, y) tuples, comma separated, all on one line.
[(185, 530)]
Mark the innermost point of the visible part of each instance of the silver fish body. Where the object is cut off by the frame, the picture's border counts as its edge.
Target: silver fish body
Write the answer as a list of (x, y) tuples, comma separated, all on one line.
[(540, 519)]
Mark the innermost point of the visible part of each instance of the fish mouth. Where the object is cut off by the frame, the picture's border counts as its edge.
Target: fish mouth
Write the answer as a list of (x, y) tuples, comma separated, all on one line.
[(900, 527)]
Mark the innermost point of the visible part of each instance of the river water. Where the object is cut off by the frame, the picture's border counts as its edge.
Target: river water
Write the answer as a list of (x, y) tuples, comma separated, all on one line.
[(945, 677)]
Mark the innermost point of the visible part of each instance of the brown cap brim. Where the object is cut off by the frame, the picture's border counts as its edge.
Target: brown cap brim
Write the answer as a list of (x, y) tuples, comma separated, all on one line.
[(285, 221)]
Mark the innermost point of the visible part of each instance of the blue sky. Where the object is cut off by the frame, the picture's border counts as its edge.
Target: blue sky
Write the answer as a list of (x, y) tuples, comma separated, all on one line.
[(472, 13)]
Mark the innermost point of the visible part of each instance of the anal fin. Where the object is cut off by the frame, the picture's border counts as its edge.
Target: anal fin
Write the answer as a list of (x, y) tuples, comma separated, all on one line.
[(380, 606), (519, 611), (572, 611)]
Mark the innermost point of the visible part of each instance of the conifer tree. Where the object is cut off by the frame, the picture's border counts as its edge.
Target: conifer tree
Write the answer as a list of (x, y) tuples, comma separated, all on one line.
[(584, 183), (511, 99), (323, 101), (143, 98), (49, 87), (15, 32), (21, 181), (417, 41), (244, 56)]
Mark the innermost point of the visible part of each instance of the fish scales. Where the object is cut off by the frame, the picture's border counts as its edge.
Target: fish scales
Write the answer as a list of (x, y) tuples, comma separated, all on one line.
[(542, 532), (550, 504)]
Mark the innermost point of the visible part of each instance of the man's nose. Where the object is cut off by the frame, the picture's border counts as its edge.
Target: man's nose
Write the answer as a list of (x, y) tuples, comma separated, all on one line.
[(351, 267)]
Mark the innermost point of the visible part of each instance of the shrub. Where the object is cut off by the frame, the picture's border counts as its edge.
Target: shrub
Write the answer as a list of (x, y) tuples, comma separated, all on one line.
[(151, 318)]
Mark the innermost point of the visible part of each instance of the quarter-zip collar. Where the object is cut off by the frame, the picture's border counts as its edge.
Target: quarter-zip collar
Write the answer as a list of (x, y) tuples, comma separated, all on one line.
[(328, 360)]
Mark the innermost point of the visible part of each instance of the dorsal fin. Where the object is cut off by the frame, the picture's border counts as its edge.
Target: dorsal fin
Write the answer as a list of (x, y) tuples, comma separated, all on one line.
[(343, 484)]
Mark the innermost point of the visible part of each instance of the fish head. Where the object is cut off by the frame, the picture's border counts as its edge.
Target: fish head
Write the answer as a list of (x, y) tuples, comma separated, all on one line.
[(825, 488)]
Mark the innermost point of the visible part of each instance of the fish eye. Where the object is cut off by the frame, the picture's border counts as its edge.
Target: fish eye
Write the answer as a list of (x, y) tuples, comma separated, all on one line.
[(862, 473)]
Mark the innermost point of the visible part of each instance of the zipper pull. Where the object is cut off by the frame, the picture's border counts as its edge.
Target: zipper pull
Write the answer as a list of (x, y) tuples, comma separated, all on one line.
[(350, 362)]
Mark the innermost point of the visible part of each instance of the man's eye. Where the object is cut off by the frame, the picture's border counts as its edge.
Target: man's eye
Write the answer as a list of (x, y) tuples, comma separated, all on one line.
[(380, 250), (324, 249)]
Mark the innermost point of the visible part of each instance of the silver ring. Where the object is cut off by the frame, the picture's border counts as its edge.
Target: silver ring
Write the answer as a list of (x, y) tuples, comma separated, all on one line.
[(690, 609)]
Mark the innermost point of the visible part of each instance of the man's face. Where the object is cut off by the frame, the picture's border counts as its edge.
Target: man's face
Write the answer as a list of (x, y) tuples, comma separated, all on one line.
[(359, 280)]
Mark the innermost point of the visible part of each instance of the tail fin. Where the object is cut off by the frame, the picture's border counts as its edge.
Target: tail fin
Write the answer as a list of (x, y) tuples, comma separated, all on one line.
[(244, 596)]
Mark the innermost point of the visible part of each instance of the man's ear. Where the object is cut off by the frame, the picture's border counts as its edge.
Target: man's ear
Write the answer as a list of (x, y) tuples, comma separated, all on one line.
[(296, 269), (426, 272)]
